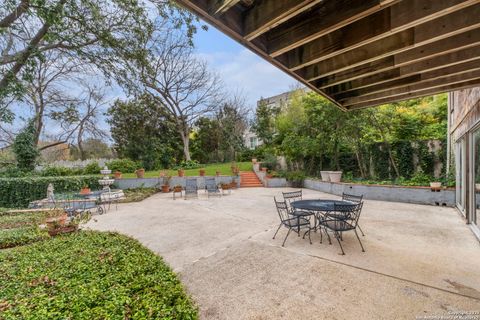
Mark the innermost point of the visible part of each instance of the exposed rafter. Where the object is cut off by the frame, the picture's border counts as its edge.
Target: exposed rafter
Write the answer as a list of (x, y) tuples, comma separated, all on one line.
[(358, 53)]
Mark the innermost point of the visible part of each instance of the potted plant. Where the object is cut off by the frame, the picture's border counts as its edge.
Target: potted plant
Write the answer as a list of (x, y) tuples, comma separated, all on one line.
[(181, 172), (236, 171), (85, 190), (335, 176), (435, 185), (225, 186), (58, 226), (140, 173), (254, 160), (296, 178), (325, 175), (117, 175), (217, 173), (177, 188), (202, 172), (56, 222), (166, 184), (264, 169)]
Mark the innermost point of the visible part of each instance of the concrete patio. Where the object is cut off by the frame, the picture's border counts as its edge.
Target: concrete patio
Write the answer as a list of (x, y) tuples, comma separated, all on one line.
[(419, 260)]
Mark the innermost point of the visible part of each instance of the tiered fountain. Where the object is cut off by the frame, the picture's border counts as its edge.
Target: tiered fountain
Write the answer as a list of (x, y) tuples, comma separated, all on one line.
[(106, 182)]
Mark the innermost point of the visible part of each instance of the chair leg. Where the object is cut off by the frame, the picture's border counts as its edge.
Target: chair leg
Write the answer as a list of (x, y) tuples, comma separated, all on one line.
[(329, 239), (338, 240), (361, 245), (321, 235), (279, 226), (363, 235), (283, 244), (309, 239)]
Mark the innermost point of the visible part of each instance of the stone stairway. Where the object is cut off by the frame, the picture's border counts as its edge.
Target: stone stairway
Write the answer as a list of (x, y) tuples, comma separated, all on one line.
[(249, 179)]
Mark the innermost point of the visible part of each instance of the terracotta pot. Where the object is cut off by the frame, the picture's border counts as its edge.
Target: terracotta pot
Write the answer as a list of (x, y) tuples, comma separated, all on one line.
[(85, 191), (53, 222), (254, 160), (218, 173), (140, 173), (269, 176), (181, 173), (165, 188), (325, 175), (177, 189), (335, 176), (264, 169), (225, 186), (117, 175), (202, 172), (233, 185)]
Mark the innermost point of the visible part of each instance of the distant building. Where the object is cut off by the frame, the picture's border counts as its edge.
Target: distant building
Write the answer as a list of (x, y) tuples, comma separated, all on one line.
[(279, 101)]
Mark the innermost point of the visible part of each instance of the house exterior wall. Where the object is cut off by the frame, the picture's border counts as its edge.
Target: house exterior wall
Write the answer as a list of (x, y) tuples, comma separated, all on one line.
[(464, 130)]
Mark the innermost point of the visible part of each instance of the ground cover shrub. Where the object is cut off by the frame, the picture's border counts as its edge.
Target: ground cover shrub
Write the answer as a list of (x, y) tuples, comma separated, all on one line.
[(23, 219), (19, 192), (92, 168), (123, 165), (139, 194), (189, 164), (56, 171), (89, 275), (20, 236)]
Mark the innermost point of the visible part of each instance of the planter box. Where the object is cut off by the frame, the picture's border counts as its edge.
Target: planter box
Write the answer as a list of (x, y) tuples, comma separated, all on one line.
[(325, 175), (335, 176), (418, 195)]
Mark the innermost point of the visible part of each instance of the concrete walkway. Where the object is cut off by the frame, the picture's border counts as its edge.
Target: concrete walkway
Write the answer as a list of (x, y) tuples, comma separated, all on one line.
[(419, 260)]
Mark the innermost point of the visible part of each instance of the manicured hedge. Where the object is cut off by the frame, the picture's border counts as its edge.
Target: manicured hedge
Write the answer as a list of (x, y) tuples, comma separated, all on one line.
[(89, 275), (19, 192)]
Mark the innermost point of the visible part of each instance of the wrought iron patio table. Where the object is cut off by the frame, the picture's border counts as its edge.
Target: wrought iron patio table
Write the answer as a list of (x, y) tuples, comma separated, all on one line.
[(317, 206)]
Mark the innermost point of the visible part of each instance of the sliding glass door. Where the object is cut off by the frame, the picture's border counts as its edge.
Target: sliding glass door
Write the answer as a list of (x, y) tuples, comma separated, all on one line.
[(460, 161), (476, 178)]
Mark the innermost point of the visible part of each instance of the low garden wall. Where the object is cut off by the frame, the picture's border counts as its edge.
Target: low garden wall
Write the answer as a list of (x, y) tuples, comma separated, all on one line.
[(269, 182), (174, 181), (418, 195)]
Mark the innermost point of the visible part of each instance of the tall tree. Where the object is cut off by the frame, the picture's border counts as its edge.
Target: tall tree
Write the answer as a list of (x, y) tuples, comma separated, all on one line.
[(143, 131), (180, 82)]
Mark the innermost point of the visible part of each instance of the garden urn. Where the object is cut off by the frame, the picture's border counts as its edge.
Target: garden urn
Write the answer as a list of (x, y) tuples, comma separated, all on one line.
[(335, 176), (325, 175), (181, 173), (202, 172), (140, 173), (117, 175)]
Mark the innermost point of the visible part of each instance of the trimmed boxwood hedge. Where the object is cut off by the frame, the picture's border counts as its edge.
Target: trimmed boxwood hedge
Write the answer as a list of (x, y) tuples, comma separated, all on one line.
[(19, 192), (89, 275)]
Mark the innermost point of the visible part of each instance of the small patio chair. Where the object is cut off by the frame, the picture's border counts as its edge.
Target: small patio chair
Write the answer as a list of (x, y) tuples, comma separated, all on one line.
[(347, 216), (191, 188), (297, 224), (355, 199), (212, 187), (292, 196)]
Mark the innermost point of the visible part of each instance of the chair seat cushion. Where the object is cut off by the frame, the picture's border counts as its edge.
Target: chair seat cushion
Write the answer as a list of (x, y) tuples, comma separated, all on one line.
[(297, 222), (337, 225)]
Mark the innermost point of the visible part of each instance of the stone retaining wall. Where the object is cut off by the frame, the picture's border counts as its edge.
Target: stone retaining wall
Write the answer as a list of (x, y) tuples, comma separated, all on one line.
[(418, 195), (174, 181)]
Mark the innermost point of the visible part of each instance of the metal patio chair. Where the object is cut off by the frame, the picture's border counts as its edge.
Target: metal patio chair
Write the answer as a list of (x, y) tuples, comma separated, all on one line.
[(346, 219), (191, 188), (292, 196), (297, 224), (212, 187), (355, 199)]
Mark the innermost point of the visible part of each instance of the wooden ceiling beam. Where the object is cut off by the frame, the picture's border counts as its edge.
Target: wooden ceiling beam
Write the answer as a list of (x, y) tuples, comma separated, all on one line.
[(426, 33), (321, 20), (439, 62), (265, 15), (416, 79), (398, 17), (416, 94), (416, 84), (445, 46), (217, 7)]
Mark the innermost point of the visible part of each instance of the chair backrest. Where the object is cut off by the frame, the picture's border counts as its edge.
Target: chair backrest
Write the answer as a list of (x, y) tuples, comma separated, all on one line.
[(350, 212), (191, 184), (352, 197), (289, 197), (210, 183), (282, 209)]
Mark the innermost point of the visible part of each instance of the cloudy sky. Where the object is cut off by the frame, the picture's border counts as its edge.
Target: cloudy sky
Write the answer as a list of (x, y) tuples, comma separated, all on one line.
[(239, 68)]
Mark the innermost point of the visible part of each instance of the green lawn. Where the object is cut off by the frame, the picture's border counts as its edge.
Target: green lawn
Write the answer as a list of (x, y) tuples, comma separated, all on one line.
[(210, 170), (89, 275)]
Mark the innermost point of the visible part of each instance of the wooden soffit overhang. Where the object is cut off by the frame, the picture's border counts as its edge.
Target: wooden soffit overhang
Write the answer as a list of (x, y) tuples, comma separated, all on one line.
[(358, 53)]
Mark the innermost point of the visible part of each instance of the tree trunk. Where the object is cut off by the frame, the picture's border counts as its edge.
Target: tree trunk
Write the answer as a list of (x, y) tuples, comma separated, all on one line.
[(186, 145)]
